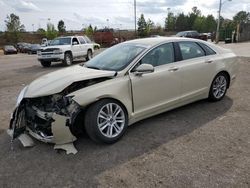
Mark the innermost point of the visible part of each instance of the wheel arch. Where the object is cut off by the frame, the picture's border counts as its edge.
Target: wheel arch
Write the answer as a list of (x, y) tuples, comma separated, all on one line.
[(228, 76), (77, 127), (110, 98), (68, 51)]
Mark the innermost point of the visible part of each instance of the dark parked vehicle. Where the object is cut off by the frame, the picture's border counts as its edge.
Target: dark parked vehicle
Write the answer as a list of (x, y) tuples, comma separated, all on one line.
[(19, 46), (9, 49), (34, 48), (26, 48), (23, 47), (192, 34)]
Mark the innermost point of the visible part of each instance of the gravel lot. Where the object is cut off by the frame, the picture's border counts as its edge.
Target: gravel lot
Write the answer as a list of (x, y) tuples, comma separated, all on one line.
[(199, 145)]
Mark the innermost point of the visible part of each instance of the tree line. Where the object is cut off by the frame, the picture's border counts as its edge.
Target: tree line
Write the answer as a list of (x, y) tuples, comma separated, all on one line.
[(14, 27), (194, 20)]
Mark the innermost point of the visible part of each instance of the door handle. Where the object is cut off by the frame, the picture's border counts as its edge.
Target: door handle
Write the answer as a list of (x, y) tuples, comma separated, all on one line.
[(209, 61), (173, 69)]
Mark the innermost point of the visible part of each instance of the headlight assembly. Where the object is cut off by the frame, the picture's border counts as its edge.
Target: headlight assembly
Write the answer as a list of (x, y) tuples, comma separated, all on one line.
[(58, 51), (21, 95)]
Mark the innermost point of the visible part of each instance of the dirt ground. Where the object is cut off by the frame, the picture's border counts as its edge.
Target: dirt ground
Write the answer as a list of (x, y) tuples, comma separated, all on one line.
[(199, 145)]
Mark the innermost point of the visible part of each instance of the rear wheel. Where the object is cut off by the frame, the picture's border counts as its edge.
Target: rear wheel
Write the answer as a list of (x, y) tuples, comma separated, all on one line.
[(219, 87), (106, 121), (89, 55), (68, 59), (45, 63)]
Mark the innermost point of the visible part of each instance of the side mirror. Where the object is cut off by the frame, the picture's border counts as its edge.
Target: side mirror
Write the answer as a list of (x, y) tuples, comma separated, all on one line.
[(144, 69), (75, 43)]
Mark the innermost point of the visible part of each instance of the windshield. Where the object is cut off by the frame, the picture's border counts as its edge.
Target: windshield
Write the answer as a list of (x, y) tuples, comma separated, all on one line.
[(60, 41), (9, 47), (180, 34), (115, 58)]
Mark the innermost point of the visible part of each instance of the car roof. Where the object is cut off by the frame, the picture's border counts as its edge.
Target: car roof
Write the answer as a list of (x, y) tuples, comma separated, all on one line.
[(71, 36), (153, 41)]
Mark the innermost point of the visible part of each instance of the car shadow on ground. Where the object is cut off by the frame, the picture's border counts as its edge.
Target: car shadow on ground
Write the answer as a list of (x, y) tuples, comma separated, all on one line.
[(52, 168)]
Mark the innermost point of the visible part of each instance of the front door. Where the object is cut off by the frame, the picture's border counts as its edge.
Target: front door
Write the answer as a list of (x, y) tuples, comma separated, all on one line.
[(76, 48), (155, 91)]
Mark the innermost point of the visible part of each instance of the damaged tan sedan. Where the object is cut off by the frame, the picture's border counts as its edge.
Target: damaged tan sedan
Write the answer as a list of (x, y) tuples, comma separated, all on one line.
[(124, 84)]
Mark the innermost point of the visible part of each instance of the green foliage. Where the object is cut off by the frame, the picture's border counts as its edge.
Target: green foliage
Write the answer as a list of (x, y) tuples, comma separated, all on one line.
[(14, 27), (181, 23), (200, 24), (210, 25), (89, 31), (61, 27), (170, 22), (41, 31), (228, 24), (242, 17), (142, 26), (145, 28), (149, 27), (51, 32)]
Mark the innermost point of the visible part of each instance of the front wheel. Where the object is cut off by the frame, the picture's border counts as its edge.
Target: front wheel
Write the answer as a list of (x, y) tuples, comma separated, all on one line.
[(68, 59), (45, 63), (219, 87), (106, 121)]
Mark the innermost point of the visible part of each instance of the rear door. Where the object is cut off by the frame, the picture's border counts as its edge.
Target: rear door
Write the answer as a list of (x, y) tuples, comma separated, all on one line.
[(196, 69), (84, 46)]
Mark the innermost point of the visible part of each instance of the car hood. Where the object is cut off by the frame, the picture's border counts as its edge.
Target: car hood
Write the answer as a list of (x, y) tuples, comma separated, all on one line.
[(57, 81), (56, 46)]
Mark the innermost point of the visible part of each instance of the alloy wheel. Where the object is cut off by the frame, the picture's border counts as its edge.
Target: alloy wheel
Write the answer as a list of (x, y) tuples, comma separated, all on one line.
[(111, 120), (219, 86)]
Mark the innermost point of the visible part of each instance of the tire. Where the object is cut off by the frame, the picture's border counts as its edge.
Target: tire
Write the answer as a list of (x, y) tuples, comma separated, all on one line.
[(219, 87), (89, 55), (68, 59), (45, 63), (96, 116)]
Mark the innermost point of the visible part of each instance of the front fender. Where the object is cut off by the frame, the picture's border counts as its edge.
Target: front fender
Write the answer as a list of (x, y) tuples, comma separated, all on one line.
[(118, 88)]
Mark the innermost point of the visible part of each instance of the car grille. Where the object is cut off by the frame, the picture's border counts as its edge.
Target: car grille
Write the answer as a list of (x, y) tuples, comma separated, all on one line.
[(49, 50)]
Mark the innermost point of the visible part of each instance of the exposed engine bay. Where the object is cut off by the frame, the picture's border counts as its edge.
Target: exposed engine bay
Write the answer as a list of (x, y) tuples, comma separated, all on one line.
[(49, 118), (40, 116)]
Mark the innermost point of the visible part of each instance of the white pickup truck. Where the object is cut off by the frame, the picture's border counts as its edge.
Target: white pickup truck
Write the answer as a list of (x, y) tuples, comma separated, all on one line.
[(66, 49)]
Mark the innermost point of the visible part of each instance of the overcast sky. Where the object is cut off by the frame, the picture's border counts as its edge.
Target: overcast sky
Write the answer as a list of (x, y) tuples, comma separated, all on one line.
[(113, 13)]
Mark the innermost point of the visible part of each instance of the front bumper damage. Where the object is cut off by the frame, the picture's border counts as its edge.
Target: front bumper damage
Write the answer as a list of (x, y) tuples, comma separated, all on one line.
[(48, 119)]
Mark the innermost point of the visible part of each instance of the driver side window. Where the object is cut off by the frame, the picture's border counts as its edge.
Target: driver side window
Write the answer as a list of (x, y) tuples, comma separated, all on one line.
[(160, 55), (75, 41)]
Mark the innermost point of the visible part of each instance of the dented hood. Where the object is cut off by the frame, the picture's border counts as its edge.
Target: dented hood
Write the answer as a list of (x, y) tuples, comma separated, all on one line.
[(56, 81)]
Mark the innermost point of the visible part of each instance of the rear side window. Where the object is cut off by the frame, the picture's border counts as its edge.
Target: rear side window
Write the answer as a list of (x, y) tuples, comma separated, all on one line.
[(82, 41), (190, 50), (207, 49), (87, 39)]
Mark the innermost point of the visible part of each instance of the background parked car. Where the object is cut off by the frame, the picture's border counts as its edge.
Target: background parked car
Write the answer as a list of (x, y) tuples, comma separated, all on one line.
[(23, 47), (19, 46), (34, 48), (192, 34), (26, 47), (9, 49)]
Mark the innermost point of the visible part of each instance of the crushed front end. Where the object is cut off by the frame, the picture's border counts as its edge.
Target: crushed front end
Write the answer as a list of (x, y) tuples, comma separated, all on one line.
[(48, 119)]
